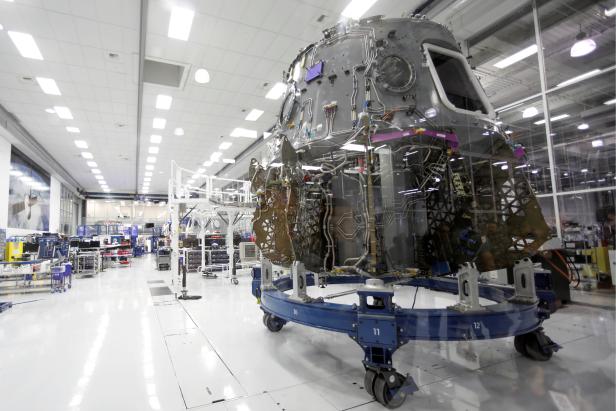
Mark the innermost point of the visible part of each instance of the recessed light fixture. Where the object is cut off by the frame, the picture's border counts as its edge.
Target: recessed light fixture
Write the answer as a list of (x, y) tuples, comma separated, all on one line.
[(81, 144), (254, 115), (49, 86), (202, 76), (180, 23), (151, 159), (99, 177), (153, 150), (50, 111), (225, 145), (149, 167), (215, 156), (276, 91), (612, 101), (228, 160), (579, 78), (508, 132), (159, 123), (610, 12), (95, 171), (63, 112), (148, 174), (25, 45), (155, 139), (356, 8), (178, 131), (555, 118), (163, 102), (311, 168), (504, 167), (583, 126), (71, 129), (243, 132), (200, 171), (147, 179), (207, 163), (584, 170), (597, 143), (514, 58), (92, 164), (107, 190), (530, 112), (87, 155)]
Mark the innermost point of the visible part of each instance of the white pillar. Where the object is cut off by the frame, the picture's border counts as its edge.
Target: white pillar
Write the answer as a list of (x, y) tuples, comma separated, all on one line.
[(231, 218), (175, 246)]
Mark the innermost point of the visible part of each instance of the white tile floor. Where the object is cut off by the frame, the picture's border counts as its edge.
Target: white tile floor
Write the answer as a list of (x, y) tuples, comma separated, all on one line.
[(107, 344)]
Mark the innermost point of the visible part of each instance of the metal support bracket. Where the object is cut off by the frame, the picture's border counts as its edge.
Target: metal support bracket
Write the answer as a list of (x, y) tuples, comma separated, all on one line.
[(524, 282), (298, 274), (468, 289), (266, 274)]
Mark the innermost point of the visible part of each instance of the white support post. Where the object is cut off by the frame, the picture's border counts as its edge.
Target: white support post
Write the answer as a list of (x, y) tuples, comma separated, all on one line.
[(524, 281), (298, 274), (230, 250), (175, 246), (468, 289)]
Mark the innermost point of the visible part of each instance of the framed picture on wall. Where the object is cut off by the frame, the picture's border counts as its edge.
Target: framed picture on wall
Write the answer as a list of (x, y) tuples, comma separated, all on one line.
[(28, 194)]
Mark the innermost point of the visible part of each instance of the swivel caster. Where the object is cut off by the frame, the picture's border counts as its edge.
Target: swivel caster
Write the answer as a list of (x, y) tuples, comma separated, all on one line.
[(235, 281), (388, 387), (535, 345), (273, 323)]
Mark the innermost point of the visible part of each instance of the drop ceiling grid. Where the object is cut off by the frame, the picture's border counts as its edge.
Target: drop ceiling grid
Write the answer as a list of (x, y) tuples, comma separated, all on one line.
[(74, 38)]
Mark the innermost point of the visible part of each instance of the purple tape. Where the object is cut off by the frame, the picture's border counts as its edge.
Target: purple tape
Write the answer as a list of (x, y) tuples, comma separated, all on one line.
[(313, 72), (451, 138)]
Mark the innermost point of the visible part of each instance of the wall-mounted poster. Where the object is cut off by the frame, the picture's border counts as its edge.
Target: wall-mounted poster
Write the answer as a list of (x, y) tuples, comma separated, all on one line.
[(28, 194)]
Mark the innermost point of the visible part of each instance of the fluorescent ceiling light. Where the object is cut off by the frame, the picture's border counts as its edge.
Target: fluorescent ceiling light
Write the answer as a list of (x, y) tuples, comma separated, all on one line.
[(92, 164), (200, 171), (15, 173), (87, 155), (149, 167), (254, 115), (99, 177), (95, 171), (163, 102), (25, 45), (155, 139), (597, 143), (610, 12), (50, 110), (311, 168), (266, 134), (81, 144), (159, 123), (555, 118), (147, 179), (178, 131), (578, 78), (276, 91), (151, 159), (207, 163), (514, 58), (505, 167), (225, 145), (584, 170), (106, 190), (583, 126), (354, 147), (153, 150), (582, 46), (612, 101), (202, 76), (63, 112), (356, 8), (49, 86), (215, 156), (275, 164), (148, 174), (180, 23), (530, 112), (228, 160), (243, 132), (71, 129)]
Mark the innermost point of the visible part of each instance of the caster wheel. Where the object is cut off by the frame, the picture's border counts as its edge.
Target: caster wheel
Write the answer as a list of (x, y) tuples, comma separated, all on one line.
[(274, 324), (265, 315), (235, 281), (390, 398), (533, 346), (369, 379), (520, 345)]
